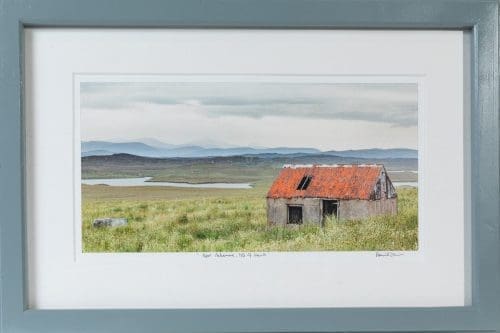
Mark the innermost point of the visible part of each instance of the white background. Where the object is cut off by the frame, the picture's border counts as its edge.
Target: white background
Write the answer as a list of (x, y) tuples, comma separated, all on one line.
[(60, 276)]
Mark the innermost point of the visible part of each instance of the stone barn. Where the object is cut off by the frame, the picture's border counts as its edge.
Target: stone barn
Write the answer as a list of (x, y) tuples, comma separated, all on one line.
[(309, 193)]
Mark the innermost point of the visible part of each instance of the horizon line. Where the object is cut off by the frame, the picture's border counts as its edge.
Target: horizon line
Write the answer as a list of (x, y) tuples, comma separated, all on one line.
[(215, 146)]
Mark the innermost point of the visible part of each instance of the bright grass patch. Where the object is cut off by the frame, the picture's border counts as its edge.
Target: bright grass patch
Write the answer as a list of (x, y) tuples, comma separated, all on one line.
[(172, 220)]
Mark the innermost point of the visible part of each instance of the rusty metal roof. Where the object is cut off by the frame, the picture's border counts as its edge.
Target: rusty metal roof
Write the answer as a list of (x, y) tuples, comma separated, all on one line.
[(356, 181)]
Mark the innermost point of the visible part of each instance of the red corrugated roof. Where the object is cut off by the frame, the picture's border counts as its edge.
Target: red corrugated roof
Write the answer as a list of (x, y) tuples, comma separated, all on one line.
[(335, 182)]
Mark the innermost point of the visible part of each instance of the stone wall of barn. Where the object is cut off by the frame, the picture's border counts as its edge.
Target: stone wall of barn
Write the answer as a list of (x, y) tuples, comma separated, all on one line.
[(358, 209), (277, 210)]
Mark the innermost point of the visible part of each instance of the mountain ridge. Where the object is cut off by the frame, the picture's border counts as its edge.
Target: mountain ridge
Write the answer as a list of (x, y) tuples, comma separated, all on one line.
[(165, 150)]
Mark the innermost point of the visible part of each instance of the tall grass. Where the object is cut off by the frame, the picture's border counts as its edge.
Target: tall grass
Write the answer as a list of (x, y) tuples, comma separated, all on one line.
[(238, 223)]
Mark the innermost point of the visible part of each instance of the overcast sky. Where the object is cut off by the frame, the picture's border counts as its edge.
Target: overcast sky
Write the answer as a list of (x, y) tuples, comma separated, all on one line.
[(323, 116)]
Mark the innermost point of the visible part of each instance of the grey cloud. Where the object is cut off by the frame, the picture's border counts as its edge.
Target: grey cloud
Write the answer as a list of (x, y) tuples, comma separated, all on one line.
[(233, 101), (394, 104)]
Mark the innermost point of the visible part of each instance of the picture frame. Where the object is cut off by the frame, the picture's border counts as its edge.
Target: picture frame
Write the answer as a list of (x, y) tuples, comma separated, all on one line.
[(479, 17)]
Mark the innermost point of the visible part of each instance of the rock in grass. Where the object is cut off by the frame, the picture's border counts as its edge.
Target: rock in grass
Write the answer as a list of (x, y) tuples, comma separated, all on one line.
[(109, 222)]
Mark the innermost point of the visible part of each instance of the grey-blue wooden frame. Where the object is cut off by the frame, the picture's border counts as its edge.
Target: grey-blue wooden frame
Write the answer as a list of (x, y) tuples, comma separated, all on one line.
[(481, 17)]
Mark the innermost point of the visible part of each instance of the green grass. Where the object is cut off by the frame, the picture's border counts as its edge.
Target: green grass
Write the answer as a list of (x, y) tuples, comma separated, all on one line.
[(163, 219), (237, 169)]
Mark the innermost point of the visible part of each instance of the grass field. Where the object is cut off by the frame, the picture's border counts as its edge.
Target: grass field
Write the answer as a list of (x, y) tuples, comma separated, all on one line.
[(231, 169), (168, 219)]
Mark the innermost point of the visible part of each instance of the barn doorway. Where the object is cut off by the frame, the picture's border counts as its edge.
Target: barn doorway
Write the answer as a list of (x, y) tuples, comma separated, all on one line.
[(294, 214), (330, 208)]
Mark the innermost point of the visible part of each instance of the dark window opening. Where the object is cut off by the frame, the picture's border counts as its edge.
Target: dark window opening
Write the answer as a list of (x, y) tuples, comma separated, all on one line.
[(294, 215), (304, 182), (330, 208)]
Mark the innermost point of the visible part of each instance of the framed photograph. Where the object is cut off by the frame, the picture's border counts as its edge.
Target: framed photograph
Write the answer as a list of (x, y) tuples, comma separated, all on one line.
[(308, 166), (230, 161)]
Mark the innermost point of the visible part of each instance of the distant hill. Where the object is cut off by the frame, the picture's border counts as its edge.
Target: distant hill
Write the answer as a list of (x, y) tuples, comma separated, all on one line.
[(97, 152), (225, 168), (376, 153), (157, 149), (110, 148)]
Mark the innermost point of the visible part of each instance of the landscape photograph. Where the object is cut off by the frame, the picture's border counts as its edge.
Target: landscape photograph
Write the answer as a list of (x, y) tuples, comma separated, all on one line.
[(248, 166)]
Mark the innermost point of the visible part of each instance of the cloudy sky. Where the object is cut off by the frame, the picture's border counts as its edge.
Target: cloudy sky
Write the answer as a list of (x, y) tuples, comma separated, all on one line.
[(323, 116)]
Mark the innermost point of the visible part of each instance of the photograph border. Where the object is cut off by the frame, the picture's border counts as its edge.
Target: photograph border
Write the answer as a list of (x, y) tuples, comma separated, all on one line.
[(46, 280), (480, 17)]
